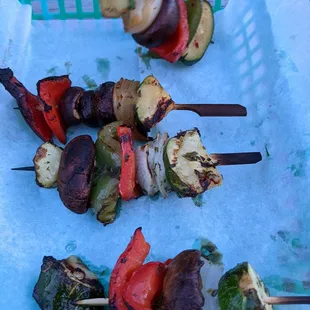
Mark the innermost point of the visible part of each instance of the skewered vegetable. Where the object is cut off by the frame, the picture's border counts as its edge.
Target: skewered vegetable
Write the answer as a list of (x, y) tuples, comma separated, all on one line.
[(29, 105), (75, 173), (115, 8), (46, 162), (158, 166), (108, 148), (151, 173), (145, 286), (203, 34), (87, 108), (189, 169), (62, 281), (211, 273), (144, 174), (153, 104), (163, 27), (51, 90), (194, 13), (129, 261), (183, 284), (142, 16), (127, 184), (124, 101), (105, 195), (242, 289), (104, 103), (69, 106)]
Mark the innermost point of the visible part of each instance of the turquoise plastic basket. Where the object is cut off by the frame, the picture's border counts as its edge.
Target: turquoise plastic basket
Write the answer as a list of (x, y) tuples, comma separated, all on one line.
[(77, 13)]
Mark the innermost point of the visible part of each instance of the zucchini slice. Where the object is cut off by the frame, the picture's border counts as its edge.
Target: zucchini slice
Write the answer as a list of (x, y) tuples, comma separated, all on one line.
[(203, 36), (189, 169), (116, 8), (194, 13), (46, 163), (142, 16), (242, 289), (153, 104)]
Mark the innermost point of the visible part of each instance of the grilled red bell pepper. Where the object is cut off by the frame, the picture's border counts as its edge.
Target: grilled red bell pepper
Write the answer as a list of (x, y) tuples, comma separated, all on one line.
[(145, 286), (127, 184), (29, 105), (129, 261), (172, 49), (51, 90)]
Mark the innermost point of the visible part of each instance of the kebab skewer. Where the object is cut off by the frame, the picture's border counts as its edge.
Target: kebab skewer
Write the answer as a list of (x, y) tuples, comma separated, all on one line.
[(171, 29), (192, 280), (98, 175), (60, 105)]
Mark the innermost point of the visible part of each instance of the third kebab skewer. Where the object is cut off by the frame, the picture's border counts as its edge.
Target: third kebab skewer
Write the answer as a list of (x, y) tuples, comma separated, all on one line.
[(98, 175), (59, 106)]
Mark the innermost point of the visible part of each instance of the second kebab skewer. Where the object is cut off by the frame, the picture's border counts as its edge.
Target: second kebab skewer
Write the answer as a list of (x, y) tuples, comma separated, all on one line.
[(98, 175), (58, 105)]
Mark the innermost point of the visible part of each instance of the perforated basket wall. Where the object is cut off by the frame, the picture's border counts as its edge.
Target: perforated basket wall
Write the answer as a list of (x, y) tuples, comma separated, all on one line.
[(79, 9)]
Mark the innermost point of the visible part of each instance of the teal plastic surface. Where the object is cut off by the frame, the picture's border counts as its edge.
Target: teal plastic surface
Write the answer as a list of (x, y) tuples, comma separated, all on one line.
[(79, 13)]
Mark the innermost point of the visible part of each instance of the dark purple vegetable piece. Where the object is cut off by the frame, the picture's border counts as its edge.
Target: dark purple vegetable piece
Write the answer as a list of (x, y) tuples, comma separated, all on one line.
[(75, 173), (69, 106), (164, 26), (87, 109), (63, 281), (104, 103), (182, 283)]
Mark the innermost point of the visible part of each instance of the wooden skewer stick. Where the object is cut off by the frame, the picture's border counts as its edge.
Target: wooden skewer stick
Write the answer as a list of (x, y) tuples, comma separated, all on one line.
[(294, 300), (290, 300), (216, 110), (236, 159), (92, 302), (216, 160), (31, 168)]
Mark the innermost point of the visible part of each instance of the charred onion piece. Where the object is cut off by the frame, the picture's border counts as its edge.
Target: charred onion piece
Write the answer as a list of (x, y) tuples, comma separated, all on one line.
[(163, 27), (63, 281), (75, 173), (182, 284), (87, 109), (142, 16), (69, 106), (103, 97)]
